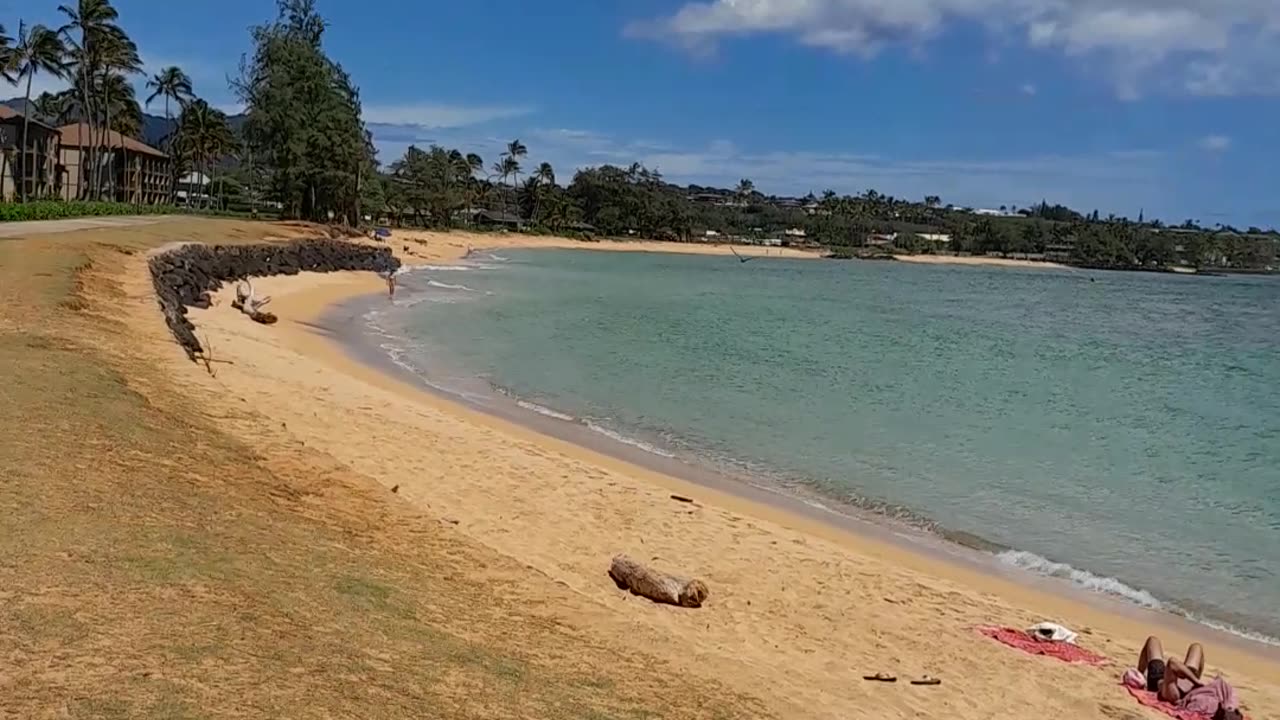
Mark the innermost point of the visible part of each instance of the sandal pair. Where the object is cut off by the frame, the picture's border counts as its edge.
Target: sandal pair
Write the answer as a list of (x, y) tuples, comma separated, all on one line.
[(886, 677)]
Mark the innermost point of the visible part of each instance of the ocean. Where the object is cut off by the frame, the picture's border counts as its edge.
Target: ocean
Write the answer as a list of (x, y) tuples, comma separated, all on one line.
[(1118, 430)]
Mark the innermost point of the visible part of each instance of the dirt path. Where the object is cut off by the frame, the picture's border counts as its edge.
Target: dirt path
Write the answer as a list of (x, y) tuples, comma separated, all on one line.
[(33, 228)]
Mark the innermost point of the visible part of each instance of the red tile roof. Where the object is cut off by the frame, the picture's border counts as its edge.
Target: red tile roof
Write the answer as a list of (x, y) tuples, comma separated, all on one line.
[(8, 113), (77, 135)]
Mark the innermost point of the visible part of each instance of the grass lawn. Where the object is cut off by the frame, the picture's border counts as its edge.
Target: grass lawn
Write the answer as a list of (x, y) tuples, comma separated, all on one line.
[(151, 566)]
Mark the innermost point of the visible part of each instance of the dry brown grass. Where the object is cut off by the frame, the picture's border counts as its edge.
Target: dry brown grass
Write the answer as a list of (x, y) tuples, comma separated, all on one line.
[(152, 566)]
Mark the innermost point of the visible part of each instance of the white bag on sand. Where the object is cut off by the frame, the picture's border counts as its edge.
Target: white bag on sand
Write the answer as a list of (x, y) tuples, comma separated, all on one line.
[(1052, 632)]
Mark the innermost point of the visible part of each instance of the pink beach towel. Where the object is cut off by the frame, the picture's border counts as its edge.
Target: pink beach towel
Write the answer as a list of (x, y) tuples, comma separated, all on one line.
[(1024, 642), (1150, 700)]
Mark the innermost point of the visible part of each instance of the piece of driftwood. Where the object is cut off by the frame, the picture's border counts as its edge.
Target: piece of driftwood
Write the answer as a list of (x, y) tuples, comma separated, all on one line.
[(250, 304), (655, 585)]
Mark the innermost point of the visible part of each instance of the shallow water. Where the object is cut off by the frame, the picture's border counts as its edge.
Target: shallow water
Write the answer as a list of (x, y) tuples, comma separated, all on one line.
[(1119, 430)]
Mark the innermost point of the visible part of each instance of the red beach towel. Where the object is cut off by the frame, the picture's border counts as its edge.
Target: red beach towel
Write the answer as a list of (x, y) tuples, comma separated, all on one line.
[(1150, 700), (1024, 642)]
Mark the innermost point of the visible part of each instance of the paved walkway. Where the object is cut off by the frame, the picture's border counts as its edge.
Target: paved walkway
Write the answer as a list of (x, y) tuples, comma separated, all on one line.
[(42, 227)]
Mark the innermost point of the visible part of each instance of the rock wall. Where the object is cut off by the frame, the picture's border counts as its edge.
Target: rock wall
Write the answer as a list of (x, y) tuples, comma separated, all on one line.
[(186, 275)]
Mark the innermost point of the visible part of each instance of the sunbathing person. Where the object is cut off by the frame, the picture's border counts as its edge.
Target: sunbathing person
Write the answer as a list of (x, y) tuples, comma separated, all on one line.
[(1178, 682)]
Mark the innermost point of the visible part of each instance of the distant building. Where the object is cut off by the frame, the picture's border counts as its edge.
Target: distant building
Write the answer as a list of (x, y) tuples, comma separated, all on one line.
[(795, 233), (132, 171), (995, 213), (492, 218), (881, 239), (37, 168), (943, 238), (193, 185)]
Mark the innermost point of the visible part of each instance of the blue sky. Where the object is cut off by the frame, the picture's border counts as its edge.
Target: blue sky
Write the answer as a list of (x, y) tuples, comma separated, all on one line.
[(1164, 105)]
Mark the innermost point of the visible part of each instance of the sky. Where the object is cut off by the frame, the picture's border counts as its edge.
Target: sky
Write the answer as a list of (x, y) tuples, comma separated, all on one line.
[(1168, 107)]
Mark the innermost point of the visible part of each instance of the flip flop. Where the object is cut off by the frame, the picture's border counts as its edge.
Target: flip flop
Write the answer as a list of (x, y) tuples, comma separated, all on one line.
[(880, 677), (927, 680)]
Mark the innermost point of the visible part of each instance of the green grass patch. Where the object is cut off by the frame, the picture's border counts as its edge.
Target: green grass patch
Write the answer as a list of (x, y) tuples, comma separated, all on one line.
[(63, 209)]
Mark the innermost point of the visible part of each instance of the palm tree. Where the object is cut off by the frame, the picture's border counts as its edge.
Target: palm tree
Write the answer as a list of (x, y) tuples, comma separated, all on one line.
[(544, 177), (58, 108), (511, 160), (118, 57), (499, 170), (204, 136), (171, 84), (474, 190), (91, 21), (6, 54), (36, 50), (6, 58), (746, 189)]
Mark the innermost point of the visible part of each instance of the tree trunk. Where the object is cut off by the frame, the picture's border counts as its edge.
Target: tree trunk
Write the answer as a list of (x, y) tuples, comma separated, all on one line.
[(173, 165), (657, 586), (4, 166), (106, 135), (26, 129)]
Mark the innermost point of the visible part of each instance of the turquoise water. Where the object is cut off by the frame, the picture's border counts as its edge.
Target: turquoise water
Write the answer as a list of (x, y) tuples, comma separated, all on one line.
[(1119, 430)]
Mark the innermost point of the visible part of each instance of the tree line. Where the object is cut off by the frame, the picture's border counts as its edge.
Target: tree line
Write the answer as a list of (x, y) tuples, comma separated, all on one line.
[(303, 147)]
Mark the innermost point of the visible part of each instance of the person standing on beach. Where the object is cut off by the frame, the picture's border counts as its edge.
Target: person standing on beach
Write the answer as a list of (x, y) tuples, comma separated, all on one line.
[(390, 277)]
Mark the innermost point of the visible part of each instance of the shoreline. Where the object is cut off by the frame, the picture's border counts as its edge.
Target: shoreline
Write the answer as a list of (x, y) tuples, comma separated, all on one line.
[(980, 261), (801, 606), (339, 322)]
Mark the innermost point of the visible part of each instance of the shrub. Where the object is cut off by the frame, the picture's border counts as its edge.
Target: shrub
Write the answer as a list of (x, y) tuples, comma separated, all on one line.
[(60, 209)]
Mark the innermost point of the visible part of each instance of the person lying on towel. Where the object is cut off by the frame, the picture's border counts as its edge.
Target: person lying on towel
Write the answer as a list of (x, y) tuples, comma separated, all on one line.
[(1178, 682)]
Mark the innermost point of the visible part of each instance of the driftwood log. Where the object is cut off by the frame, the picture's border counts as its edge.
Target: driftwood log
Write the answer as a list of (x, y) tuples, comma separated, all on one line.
[(250, 304), (657, 586)]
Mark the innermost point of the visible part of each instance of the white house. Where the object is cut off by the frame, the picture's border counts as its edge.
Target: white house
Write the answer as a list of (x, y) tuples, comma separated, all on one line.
[(194, 184)]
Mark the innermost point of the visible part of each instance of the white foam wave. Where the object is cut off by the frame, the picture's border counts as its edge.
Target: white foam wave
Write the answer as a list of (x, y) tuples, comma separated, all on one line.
[(1232, 629), (436, 268), (619, 437), (1082, 578), (447, 286), (498, 258), (543, 410), (1111, 586)]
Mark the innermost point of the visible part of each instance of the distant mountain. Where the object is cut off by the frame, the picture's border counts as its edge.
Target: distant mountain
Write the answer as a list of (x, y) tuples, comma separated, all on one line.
[(155, 128)]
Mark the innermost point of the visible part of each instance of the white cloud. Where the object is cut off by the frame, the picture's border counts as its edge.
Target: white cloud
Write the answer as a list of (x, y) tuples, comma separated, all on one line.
[(1213, 47), (1029, 89), (432, 116), (1215, 143)]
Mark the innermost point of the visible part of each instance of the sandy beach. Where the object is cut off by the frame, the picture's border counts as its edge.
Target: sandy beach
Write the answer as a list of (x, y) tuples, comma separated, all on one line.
[(799, 609)]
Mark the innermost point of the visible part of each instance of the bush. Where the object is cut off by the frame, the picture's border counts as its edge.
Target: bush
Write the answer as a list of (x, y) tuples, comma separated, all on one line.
[(59, 209)]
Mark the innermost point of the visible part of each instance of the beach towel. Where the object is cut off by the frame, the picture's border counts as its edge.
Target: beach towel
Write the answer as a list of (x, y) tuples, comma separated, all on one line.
[(1063, 651), (1150, 700)]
